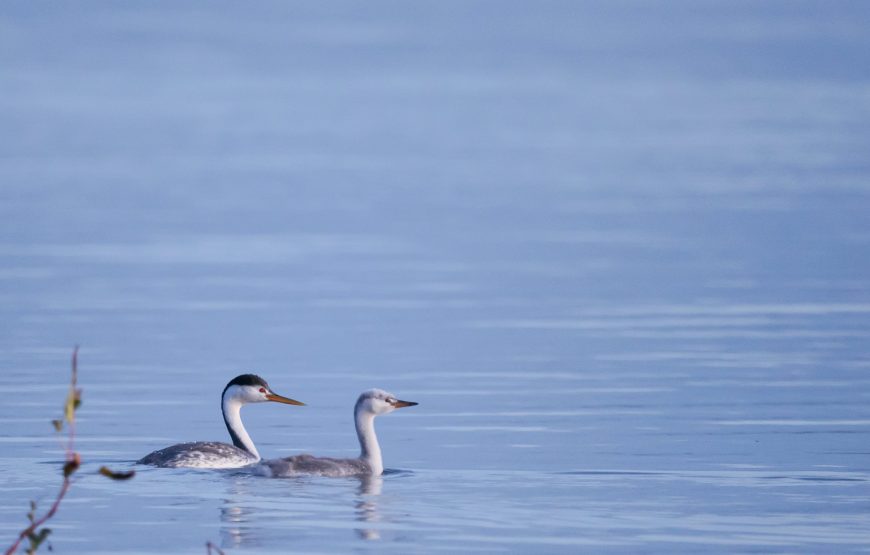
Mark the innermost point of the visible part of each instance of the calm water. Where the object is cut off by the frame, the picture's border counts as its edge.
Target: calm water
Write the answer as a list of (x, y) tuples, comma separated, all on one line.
[(619, 252)]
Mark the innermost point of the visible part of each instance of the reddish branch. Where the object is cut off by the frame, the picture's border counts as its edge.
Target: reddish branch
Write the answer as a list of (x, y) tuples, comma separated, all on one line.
[(39, 522), (72, 463), (76, 400)]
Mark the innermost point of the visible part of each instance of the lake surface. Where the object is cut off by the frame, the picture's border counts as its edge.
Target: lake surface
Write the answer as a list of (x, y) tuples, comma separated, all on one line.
[(619, 252)]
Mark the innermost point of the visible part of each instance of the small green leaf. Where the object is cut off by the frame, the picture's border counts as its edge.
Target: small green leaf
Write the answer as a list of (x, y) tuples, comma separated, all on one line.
[(69, 408), (40, 537), (36, 539), (58, 425), (114, 475), (73, 401)]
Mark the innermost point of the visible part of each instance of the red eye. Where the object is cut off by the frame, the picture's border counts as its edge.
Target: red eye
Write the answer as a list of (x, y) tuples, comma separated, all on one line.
[(262, 390)]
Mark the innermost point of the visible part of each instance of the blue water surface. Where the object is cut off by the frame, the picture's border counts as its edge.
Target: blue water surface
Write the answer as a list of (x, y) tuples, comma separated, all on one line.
[(619, 252)]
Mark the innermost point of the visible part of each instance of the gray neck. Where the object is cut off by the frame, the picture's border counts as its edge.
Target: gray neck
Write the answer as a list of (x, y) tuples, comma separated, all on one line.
[(370, 451), (230, 408)]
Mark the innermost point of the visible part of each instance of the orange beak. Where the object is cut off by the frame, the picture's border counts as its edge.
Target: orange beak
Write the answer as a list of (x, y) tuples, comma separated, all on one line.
[(285, 400)]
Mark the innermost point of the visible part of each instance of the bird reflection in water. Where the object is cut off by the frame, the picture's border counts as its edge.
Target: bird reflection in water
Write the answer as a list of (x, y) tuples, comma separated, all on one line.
[(367, 506), (235, 518), (238, 518)]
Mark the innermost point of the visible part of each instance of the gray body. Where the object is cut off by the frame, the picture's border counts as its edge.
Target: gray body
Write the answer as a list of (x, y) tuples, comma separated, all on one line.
[(202, 454), (318, 466)]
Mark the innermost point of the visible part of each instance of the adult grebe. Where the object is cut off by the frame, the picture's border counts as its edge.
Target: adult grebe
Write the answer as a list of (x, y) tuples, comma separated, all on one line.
[(244, 389), (369, 405)]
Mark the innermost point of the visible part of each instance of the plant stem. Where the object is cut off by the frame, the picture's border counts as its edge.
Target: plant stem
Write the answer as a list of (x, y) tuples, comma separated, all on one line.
[(42, 520), (70, 466)]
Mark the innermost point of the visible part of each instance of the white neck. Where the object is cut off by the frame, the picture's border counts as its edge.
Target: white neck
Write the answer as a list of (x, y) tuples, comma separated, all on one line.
[(231, 407), (370, 451)]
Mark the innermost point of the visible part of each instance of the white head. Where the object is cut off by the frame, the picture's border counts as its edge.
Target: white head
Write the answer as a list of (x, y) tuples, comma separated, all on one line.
[(378, 401), (250, 388), (242, 390)]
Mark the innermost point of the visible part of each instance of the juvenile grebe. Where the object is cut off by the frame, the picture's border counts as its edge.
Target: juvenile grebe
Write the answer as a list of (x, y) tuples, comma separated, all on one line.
[(369, 405)]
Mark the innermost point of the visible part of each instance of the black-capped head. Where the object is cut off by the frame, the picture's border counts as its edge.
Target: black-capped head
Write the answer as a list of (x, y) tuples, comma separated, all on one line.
[(251, 388)]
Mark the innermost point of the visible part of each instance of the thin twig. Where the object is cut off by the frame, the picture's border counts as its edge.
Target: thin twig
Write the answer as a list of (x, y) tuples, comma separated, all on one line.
[(209, 546), (71, 464), (72, 389), (42, 520)]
